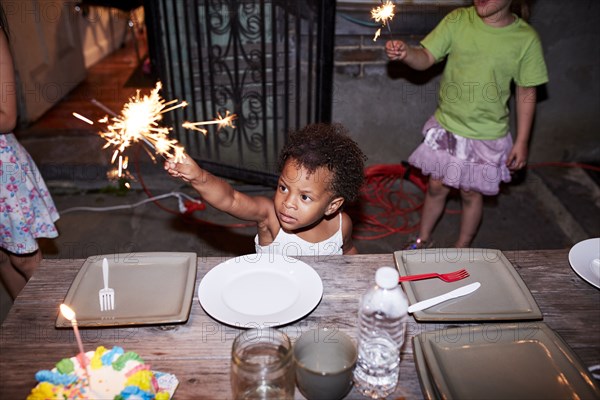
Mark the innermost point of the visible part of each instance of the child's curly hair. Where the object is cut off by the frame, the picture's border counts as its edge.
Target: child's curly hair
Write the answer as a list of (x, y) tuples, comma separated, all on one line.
[(329, 146)]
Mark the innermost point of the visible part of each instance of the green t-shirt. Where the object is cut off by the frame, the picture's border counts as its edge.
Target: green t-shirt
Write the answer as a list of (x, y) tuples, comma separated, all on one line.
[(482, 63)]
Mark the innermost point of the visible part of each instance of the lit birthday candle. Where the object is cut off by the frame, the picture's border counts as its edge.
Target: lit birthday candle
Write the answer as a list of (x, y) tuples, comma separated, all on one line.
[(69, 314)]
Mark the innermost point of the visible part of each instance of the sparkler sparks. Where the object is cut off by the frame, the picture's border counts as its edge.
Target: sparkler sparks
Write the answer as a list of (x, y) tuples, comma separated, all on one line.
[(222, 122), (383, 14), (139, 121)]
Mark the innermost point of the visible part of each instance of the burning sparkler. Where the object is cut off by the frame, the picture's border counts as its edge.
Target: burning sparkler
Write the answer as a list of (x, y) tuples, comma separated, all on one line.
[(139, 121), (383, 14), (222, 122)]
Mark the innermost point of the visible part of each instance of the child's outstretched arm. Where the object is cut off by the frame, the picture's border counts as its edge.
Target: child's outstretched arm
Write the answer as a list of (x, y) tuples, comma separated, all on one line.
[(418, 58), (218, 193), (525, 100)]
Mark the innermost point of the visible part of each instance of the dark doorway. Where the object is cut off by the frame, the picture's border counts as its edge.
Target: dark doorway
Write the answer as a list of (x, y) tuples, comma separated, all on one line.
[(269, 62)]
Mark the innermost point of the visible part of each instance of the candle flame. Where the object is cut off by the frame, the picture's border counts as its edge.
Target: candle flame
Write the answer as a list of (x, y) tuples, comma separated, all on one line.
[(67, 312)]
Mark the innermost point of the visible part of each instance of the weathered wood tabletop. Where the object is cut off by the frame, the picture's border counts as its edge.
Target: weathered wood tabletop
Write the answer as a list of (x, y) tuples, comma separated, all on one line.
[(198, 351)]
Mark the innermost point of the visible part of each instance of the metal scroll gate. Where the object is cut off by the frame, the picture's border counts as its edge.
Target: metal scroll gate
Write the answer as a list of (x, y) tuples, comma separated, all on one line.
[(269, 62)]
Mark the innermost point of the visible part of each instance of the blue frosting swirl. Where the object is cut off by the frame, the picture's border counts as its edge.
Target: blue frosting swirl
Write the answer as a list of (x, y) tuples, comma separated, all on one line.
[(137, 393), (108, 357), (55, 378)]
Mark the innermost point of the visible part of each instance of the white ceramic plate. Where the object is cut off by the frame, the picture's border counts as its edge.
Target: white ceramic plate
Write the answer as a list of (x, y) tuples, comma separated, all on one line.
[(259, 290), (584, 258)]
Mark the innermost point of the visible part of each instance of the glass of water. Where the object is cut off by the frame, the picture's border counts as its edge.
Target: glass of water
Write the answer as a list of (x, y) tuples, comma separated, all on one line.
[(262, 365)]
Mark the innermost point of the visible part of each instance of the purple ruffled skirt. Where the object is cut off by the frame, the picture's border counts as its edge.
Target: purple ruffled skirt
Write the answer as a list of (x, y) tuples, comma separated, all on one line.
[(460, 162)]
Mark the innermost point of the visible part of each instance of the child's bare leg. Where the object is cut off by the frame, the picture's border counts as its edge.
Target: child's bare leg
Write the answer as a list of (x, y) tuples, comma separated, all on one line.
[(472, 210), (26, 264), (435, 202), (12, 279)]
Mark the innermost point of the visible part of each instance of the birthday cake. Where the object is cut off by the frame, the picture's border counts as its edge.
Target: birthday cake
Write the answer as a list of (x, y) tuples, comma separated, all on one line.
[(111, 374)]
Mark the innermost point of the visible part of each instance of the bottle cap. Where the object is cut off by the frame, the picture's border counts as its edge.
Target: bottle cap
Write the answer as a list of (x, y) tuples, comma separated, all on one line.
[(386, 278)]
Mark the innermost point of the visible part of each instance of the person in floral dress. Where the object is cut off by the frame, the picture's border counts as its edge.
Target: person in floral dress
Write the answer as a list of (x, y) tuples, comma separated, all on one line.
[(27, 211)]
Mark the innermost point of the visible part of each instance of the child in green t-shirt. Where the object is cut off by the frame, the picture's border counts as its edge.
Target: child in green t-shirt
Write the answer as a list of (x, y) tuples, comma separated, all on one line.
[(467, 142)]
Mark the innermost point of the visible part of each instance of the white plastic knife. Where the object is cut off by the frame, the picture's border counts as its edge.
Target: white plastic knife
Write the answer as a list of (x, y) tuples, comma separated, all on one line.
[(461, 291)]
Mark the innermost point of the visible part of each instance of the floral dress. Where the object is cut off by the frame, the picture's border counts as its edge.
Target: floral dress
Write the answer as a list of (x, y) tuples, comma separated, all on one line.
[(27, 211)]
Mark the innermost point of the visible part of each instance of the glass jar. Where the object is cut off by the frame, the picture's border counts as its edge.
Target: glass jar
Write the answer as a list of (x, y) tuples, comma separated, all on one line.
[(262, 365)]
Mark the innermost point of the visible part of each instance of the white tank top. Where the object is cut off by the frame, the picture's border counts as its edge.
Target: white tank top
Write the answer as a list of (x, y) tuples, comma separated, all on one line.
[(290, 244)]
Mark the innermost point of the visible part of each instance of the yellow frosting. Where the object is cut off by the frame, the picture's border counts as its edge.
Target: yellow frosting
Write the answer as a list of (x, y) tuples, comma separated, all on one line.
[(141, 379), (42, 391), (96, 361)]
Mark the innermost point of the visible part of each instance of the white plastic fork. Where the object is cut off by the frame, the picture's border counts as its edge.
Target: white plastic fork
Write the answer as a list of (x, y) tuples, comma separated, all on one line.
[(106, 295)]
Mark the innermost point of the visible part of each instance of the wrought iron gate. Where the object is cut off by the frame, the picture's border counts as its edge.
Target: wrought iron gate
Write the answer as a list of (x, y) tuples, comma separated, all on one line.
[(269, 62)]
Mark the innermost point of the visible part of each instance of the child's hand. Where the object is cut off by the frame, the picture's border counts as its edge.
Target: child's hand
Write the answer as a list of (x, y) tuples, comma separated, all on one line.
[(396, 49), (187, 170), (517, 157)]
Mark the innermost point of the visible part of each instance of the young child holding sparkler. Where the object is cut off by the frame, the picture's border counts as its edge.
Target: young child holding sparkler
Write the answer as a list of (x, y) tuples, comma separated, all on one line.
[(467, 142), (27, 211), (321, 169)]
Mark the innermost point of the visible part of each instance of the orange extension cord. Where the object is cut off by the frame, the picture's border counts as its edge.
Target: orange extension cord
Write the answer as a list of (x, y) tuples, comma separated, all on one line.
[(385, 208), (387, 205)]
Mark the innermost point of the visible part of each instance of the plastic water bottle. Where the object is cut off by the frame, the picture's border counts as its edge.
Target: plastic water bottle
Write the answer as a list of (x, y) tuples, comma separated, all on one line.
[(382, 322)]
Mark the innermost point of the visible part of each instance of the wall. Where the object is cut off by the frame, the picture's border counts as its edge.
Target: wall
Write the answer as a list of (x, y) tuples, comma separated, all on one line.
[(53, 43), (103, 31), (385, 104)]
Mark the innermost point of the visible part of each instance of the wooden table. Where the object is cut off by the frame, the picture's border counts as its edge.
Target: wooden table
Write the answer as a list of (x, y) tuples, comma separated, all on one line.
[(197, 352)]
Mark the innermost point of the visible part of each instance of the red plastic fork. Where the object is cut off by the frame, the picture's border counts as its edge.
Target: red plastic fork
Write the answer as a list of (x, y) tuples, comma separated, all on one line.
[(449, 277)]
